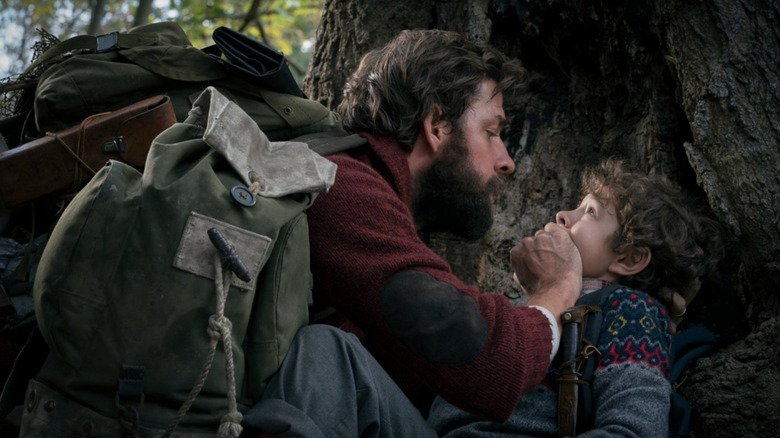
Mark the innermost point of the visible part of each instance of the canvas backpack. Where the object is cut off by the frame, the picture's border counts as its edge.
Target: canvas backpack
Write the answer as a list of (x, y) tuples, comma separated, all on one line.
[(86, 75), (581, 330), (168, 298)]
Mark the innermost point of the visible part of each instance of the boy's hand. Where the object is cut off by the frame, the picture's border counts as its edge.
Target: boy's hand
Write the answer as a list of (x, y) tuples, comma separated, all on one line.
[(549, 268)]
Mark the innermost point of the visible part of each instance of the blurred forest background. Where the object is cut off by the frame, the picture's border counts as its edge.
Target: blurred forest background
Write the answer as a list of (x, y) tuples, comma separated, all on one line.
[(286, 25)]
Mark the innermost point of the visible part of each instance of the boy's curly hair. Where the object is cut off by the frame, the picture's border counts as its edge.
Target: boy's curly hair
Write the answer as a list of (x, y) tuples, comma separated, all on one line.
[(652, 212)]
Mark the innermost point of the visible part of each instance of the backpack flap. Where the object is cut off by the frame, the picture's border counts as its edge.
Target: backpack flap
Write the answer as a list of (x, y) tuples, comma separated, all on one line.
[(172, 55), (271, 169)]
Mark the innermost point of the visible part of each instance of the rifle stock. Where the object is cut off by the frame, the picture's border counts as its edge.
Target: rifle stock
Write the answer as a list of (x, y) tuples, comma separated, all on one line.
[(64, 160)]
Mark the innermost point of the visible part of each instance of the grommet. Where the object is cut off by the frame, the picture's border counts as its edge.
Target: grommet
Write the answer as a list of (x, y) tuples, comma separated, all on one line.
[(243, 196), (287, 110), (32, 397), (49, 405)]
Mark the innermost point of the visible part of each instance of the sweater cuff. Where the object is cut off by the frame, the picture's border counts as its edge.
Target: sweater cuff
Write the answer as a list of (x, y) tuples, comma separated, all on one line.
[(556, 335)]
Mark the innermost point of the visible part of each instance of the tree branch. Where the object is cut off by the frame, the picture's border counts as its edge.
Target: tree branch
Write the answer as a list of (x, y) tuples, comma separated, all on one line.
[(251, 15)]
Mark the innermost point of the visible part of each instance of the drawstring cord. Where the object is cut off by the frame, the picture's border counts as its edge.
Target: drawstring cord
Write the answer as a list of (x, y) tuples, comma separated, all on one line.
[(219, 328)]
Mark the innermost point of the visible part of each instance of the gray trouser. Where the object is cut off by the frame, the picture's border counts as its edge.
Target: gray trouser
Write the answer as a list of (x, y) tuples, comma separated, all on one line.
[(330, 386)]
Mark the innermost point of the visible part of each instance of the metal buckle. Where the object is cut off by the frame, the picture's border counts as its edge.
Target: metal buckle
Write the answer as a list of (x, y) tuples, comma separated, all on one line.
[(131, 385), (107, 42), (114, 145)]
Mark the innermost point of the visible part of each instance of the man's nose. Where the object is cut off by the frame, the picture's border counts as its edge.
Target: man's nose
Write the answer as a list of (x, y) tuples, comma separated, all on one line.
[(504, 163)]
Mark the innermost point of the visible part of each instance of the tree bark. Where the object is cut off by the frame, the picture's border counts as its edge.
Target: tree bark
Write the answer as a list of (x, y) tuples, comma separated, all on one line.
[(686, 89), (348, 29), (724, 56)]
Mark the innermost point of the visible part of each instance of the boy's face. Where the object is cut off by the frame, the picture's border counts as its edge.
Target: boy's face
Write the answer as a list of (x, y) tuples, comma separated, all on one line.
[(592, 227)]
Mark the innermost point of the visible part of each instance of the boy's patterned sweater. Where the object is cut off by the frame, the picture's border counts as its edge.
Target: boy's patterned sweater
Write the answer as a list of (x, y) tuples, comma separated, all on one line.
[(630, 387)]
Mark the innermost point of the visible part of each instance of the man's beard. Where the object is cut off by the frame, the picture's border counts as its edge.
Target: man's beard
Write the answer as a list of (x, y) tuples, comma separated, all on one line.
[(449, 196)]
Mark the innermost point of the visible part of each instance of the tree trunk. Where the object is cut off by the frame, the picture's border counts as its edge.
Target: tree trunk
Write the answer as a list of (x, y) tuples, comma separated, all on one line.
[(348, 29), (724, 56), (686, 89), (142, 13), (97, 17)]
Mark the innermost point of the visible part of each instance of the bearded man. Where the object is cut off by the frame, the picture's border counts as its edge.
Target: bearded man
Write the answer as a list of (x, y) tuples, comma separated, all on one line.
[(430, 104)]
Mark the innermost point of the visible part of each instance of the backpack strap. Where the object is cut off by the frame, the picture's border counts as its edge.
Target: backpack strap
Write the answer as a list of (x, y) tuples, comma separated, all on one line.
[(688, 345), (92, 44), (571, 353), (579, 354), (693, 342), (331, 142)]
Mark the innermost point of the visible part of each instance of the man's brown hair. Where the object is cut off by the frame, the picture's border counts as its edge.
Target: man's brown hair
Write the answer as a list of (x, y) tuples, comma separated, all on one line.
[(417, 74), (652, 212)]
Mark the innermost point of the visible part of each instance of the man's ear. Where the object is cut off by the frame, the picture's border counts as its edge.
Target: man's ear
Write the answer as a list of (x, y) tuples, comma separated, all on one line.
[(631, 262), (436, 129)]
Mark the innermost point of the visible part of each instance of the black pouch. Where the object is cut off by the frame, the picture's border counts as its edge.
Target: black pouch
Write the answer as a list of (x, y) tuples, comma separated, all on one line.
[(253, 61)]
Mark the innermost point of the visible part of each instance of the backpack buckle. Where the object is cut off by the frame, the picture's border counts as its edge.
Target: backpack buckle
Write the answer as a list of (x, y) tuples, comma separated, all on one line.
[(107, 42), (114, 146), (131, 385), (576, 348)]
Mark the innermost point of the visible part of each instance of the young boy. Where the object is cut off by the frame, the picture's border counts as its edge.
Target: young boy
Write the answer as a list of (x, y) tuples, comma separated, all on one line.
[(638, 232)]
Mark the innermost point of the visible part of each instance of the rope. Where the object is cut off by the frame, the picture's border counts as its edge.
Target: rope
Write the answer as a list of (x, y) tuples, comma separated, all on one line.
[(75, 154), (129, 427), (256, 187), (230, 425), (79, 147), (219, 327)]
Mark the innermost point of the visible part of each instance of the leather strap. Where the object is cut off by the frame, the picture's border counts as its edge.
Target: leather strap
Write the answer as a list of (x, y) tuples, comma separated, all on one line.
[(569, 377), (331, 142)]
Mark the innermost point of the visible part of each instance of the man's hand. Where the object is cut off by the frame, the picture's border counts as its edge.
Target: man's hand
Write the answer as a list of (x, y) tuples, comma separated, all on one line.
[(549, 268)]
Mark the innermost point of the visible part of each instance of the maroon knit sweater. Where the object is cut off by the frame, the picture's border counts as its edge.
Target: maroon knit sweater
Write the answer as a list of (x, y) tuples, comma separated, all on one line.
[(362, 233)]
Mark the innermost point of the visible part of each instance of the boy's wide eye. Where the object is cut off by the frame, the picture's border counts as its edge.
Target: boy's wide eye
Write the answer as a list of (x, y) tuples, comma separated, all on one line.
[(591, 211)]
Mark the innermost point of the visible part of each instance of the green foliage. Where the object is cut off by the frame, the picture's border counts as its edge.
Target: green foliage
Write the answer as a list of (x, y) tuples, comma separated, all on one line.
[(286, 25)]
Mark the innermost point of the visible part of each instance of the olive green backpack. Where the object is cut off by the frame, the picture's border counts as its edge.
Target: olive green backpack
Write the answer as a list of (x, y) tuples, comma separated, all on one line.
[(169, 298), (128, 294), (87, 75)]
